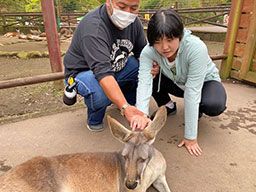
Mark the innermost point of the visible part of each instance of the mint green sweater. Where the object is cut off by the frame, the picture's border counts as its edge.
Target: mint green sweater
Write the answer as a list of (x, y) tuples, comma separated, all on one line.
[(193, 67)]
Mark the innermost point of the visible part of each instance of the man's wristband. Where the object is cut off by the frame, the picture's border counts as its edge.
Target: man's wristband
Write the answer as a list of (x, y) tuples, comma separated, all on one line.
[(123, 108), (145, 115)]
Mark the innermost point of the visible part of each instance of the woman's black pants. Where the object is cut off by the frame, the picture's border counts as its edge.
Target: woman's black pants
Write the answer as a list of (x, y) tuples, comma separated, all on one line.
[(213, 99)]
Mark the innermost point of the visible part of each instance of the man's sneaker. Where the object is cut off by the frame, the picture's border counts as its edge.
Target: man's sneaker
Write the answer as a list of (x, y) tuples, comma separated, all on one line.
[(96, 128), (171, 108)]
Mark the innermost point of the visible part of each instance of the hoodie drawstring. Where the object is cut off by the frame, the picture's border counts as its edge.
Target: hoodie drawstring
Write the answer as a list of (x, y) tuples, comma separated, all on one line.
[(159, 80)]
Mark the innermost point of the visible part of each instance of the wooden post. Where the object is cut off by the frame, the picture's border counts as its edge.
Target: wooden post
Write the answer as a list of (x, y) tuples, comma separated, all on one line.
[(229, 48), (69, 25), (52, 35), (250, 46), (57, 4), (4, 23), (176, 5)]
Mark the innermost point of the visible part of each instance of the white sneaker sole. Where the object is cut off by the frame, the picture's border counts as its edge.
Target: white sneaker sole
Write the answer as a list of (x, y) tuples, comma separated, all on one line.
[(95, 130)]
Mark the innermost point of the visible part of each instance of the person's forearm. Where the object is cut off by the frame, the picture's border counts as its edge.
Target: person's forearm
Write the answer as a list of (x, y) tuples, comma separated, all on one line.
[(191, 118), (113, 91)]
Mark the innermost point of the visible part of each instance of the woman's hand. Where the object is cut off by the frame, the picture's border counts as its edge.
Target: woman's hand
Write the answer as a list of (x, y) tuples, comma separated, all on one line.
[(155, 69), (192, 146)]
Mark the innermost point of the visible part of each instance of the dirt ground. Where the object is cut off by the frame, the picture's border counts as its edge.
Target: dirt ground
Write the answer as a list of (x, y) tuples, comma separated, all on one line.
[(228, 163), (34, 100)]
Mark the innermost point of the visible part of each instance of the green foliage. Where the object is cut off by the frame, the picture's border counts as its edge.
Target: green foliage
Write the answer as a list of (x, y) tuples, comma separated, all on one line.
[(150, 4), (86, 5), (69, 5), (79, 5), (13, 5), (33, 6)]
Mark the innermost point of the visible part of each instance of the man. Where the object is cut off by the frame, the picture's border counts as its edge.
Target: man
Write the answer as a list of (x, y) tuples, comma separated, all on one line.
[(103, 59)]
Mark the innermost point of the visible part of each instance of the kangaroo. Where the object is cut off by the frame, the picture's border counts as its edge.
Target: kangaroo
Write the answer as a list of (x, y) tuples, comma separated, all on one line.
[(133, 169)]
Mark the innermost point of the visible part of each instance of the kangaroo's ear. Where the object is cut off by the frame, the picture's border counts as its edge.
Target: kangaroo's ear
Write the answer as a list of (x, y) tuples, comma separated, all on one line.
[(118, 130), (158, 122)]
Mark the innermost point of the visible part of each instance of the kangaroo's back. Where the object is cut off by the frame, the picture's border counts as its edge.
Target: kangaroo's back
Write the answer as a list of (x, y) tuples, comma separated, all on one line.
[(83, 172), (134, 169)]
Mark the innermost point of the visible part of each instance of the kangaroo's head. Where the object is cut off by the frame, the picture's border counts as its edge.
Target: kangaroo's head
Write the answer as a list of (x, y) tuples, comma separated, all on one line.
[(138, 149)]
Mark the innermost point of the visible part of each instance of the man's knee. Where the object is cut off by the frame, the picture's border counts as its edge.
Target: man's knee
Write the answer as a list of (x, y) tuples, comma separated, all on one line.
[(132, 67), (85, 81), (133, 61), (89, 88)]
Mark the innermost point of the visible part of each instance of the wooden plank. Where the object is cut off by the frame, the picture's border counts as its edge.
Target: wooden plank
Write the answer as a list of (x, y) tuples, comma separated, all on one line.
[(229, 29), (242, 35), (235, 74), (250, 46), (254, 66), (251, 77), (31, 80), (229, 47), (245, 20), (237, 62), (239, 49), (248, 5)]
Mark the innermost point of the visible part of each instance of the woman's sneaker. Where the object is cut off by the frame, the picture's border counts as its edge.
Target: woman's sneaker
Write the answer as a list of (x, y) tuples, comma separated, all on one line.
[(171, 108), (200, 114), (96, 128)]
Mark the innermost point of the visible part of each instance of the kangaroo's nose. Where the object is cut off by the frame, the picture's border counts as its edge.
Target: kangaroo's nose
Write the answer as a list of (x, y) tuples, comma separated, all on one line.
[(131, 184)]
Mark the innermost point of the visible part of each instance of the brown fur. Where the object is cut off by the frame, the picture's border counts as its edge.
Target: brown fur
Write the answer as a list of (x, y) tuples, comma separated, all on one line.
[(75, 171), (12, 34), (139, 163)]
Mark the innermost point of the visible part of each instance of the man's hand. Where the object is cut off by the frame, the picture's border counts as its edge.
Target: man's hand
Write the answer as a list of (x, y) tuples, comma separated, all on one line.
[(138, 121), (155, 69), (192, 146), (114, 93)]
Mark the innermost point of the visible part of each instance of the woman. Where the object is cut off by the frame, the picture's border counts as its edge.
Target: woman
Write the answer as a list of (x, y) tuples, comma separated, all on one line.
[(186, 70)]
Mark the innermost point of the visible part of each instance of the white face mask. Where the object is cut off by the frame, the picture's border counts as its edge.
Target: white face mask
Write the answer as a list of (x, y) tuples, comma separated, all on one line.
[(122, 19)]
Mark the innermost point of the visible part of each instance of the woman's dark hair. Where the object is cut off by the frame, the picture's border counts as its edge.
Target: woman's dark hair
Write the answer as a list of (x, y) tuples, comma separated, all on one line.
[(164, 23)]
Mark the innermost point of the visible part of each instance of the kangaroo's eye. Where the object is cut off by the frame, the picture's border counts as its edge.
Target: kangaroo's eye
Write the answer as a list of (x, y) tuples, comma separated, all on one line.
[(143, 153), (125, 157), (141, 160)]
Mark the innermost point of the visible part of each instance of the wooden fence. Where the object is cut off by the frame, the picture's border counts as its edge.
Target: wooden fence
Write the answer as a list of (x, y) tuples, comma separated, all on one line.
[(240, 45), (191, 16), (204, 15)]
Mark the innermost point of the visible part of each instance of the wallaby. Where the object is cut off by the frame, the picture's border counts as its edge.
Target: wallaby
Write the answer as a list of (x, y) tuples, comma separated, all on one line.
[(133, 169), (12, 34)]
